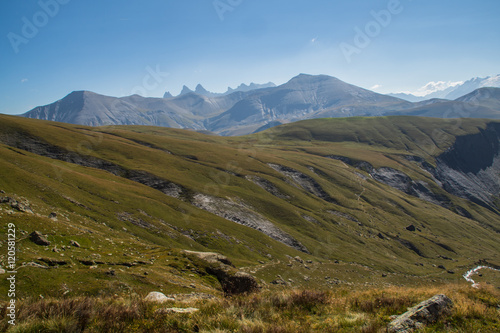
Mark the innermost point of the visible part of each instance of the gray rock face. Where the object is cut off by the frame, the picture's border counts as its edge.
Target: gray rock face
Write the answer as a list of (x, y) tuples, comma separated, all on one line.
[(425, 313), (242, 214), (398, 180), (469, 169)]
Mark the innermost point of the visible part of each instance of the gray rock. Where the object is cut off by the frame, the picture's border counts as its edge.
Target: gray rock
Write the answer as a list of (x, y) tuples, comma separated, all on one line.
[(411, 227), (74, 243), (36, 265), (299, 259), (425, 313), (22, 205), (176, 310), (156, 296), (233, 281), (279, 281), (39, 239)]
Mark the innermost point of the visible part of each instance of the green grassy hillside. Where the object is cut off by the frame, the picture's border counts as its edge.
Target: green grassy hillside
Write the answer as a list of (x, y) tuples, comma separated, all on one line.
[(133, 197)]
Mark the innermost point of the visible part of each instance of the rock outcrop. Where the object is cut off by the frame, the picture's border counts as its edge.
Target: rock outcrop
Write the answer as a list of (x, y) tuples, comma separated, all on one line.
[(469, 168), (425, 313), (243, 214), (21, 205), (39, 239), (232, 281)]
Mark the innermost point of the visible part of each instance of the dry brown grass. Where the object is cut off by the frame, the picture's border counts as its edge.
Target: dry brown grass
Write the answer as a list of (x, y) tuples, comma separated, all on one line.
[(475, 310)]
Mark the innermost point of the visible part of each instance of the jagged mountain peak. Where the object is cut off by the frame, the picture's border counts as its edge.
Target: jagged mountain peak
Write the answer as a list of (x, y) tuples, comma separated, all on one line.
[(252, 86), (200, 90), (185, 90)]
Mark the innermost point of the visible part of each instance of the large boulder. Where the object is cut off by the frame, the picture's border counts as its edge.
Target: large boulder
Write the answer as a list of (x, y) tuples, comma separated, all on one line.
[(232, 280), (39, 239), (425, 313), (158, 297)]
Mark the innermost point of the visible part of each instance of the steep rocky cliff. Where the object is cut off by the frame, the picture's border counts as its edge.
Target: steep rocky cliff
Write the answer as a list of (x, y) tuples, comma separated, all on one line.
[(470, 168)]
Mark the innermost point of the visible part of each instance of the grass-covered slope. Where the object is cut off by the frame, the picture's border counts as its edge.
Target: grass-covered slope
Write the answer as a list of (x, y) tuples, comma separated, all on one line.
[(134, 197)]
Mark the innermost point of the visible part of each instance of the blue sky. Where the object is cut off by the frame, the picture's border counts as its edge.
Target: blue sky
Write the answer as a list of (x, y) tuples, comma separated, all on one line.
[(49, 48)]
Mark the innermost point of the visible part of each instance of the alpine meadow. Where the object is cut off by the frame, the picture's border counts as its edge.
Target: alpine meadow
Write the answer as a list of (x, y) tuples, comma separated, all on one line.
[(249, 166)]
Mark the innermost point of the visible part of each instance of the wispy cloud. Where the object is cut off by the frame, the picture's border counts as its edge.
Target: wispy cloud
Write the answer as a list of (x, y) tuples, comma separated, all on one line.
[(377, 86), (24, 80), (314, 40)]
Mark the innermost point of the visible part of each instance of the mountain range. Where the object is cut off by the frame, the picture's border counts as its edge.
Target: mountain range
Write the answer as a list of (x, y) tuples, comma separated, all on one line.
[(453, 91), (246, 110), (200, 90)]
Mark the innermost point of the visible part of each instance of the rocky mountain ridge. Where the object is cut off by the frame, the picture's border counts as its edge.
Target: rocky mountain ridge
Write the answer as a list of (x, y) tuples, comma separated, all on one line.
[(251, 110)]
